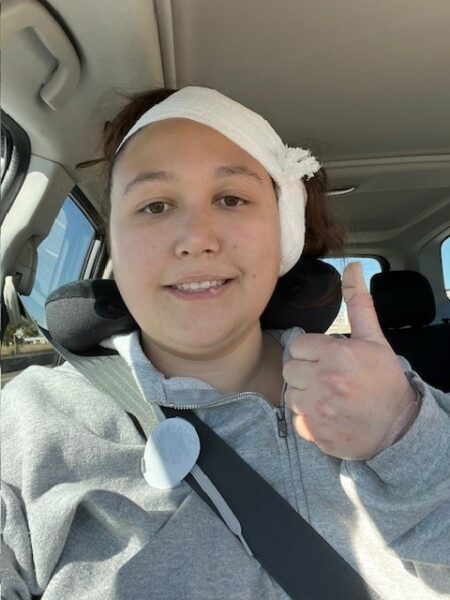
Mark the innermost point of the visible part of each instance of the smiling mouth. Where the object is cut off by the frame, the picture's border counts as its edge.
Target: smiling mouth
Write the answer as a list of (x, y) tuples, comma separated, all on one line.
[(199, 286)]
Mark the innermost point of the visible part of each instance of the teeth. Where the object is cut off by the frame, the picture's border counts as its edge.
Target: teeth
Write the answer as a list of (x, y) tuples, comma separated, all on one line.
[(199, 285)]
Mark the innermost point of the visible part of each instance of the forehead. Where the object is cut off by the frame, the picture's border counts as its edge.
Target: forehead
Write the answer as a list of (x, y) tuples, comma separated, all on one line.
[(176, 139)]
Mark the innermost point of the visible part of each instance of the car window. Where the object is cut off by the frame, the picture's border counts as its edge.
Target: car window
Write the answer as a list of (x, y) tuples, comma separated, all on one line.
[(370, 266), (445, 259), (61, 259)]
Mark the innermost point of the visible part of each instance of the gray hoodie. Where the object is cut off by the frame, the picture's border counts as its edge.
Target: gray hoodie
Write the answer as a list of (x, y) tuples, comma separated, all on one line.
[(80, 521)]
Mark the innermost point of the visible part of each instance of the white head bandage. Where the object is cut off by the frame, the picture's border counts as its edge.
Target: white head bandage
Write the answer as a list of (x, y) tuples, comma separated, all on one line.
[(256, 136)]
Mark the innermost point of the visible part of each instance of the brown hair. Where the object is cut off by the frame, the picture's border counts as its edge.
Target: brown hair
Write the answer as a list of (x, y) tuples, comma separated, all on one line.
[(324, 234)]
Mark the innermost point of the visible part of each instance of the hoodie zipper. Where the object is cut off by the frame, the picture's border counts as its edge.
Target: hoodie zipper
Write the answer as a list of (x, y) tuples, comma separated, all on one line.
[(281, 414), (279, 410)]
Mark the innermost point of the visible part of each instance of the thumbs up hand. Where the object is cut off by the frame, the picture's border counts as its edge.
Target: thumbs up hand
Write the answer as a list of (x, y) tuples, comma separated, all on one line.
[(347, 395)]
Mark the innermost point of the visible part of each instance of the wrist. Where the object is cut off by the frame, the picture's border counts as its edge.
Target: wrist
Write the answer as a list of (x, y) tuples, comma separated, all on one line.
[(402, 423)]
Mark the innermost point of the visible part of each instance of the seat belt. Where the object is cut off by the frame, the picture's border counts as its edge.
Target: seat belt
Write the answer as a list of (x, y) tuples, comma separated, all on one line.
[(287, 547)]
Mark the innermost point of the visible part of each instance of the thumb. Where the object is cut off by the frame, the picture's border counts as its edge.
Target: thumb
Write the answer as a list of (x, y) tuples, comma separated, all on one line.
[(361, 311)]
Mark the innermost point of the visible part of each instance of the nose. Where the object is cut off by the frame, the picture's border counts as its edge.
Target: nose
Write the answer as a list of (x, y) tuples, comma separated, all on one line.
[(198, 234)]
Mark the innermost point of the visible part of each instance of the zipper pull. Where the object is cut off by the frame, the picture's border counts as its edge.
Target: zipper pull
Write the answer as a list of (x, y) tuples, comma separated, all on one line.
[(281, 422)]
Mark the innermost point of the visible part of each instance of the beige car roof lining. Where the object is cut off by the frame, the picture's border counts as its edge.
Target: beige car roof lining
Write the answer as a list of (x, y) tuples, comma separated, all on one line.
[(367, 87)]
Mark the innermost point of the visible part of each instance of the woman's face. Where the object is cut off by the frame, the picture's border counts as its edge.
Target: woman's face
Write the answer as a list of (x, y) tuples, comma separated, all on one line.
[(195, 238)]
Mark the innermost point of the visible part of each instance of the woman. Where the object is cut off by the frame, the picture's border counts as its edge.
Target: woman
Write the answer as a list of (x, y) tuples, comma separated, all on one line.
[(206, 211)]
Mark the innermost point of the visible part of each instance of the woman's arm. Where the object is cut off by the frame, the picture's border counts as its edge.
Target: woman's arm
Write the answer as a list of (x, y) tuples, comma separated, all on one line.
[(405, 489)]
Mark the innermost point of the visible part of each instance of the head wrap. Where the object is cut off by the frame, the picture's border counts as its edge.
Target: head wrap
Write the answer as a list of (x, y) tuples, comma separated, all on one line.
[(256, 136)]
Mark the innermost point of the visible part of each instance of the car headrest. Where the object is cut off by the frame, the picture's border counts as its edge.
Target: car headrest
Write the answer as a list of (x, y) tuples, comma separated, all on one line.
[(308, 296), (83, 313), (402, 298)]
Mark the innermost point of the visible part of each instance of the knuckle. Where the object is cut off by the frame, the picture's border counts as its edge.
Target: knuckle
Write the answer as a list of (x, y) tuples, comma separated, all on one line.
[(366, 301), (292, 399), (287, 370), (335, 381), (292, 373), (288, 396), (344, 350), (335, 344), (324, 409), (296, 345)]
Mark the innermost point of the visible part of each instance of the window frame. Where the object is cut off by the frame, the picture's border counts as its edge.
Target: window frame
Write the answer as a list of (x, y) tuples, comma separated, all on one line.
[(93, 216)]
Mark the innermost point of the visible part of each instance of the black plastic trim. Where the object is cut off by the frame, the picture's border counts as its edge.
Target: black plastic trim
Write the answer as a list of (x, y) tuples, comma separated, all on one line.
[(18, 163), (9, 145)]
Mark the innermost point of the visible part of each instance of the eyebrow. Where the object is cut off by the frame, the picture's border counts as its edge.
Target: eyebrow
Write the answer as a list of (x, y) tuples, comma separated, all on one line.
[(224, 171), (238, 170), (148, 176)]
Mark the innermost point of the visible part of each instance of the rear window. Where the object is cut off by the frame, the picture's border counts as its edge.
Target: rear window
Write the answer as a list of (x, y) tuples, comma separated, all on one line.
[(370, 266)]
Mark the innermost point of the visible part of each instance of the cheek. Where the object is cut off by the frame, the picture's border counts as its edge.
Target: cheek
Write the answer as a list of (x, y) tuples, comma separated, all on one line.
[(259, 247), (264, 241), (134, 257)]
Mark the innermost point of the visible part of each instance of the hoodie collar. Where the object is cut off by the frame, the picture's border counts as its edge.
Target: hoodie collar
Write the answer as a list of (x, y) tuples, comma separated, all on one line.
[(180, 392)]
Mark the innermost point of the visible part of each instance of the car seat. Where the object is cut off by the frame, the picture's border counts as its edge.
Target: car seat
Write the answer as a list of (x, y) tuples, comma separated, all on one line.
[(405, 306)]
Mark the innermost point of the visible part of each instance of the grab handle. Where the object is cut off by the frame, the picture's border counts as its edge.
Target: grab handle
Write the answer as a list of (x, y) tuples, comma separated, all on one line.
[(18, 15)]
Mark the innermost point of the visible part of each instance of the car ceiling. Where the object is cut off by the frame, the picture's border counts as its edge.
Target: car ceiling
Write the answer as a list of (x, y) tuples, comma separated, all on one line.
[(365, 85)]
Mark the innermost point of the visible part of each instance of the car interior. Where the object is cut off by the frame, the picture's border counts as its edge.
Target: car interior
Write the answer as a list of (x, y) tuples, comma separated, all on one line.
[(365, 86)]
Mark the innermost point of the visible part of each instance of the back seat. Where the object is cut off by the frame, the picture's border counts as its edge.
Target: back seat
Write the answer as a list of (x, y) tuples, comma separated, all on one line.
[(405, 306)]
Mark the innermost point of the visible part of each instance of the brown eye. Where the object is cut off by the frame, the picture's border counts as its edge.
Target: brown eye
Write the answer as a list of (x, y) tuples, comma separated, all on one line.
[(231, 201), (156, 207)]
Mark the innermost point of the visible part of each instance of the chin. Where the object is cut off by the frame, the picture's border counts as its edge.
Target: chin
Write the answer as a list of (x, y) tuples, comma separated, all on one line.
[(205, 342)]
